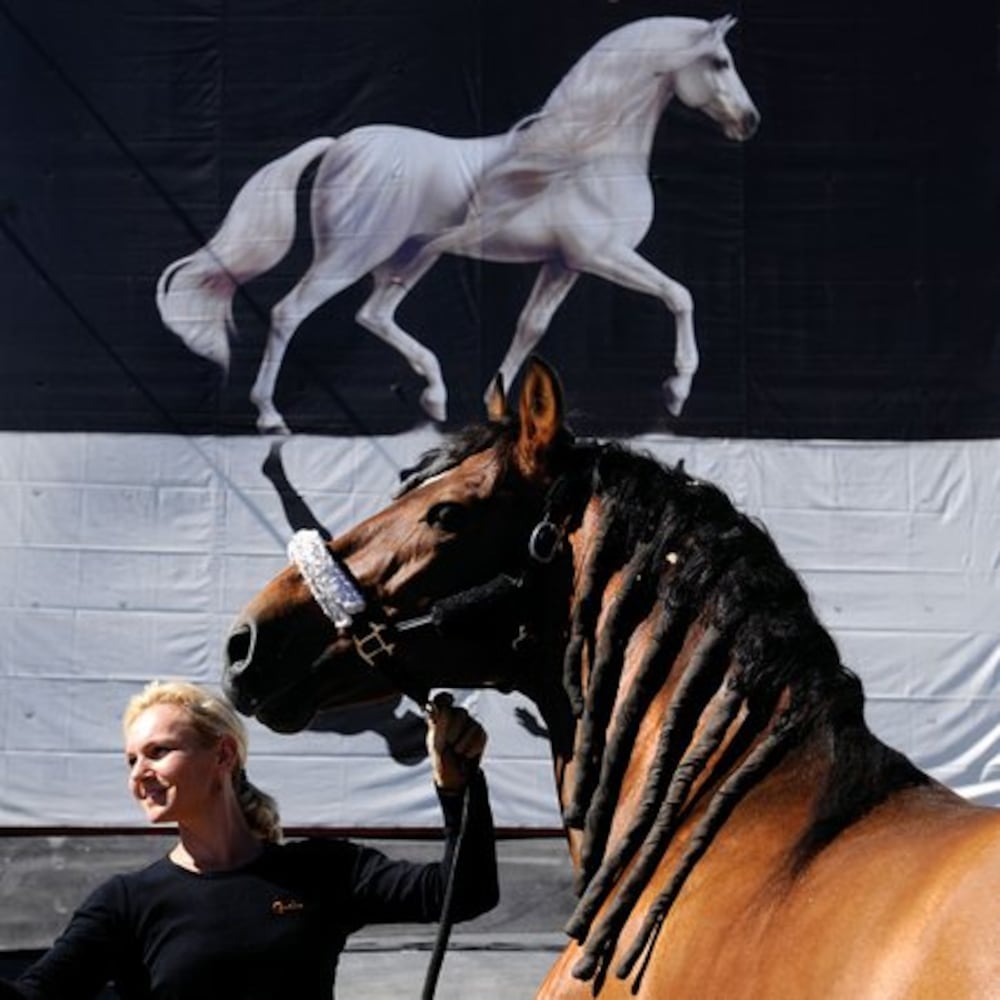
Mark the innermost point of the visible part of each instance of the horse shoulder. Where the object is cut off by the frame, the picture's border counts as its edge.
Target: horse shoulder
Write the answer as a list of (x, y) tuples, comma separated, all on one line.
[(958, 926), (903, 905)]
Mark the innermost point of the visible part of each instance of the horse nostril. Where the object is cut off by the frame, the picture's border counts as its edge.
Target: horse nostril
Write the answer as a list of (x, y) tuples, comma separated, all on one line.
[(239, 648)]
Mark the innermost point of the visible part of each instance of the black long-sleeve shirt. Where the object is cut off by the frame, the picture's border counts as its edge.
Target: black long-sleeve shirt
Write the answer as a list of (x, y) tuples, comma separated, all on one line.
[(272, 929)]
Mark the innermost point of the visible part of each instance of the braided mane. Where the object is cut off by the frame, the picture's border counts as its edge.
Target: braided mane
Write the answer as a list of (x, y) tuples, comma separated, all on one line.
[(763, 675), (689, 560)]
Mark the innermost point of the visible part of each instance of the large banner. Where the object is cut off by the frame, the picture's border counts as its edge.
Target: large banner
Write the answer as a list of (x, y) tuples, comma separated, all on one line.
[(255, 257)]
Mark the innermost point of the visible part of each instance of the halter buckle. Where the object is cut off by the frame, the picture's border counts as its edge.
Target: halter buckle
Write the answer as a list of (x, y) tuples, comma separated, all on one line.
[(373, 644)]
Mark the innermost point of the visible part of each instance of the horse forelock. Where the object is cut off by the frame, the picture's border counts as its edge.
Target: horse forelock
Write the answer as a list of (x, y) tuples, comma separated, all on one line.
[(758, 675), (455, 449)]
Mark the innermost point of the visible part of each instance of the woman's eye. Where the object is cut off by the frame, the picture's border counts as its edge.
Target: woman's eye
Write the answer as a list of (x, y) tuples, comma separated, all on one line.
[(448, 517)]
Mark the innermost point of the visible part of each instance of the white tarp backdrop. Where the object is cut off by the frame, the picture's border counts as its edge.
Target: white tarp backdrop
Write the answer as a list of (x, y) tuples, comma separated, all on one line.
[(126, 557), (839, 241)]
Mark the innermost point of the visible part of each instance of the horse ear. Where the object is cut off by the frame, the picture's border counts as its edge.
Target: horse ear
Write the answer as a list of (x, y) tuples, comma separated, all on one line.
[(541, 413), (708, 40), (720, 27), (496, 400)]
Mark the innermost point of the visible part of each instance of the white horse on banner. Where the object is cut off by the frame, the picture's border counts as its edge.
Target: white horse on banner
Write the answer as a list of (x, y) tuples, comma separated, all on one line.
[(567, 187)]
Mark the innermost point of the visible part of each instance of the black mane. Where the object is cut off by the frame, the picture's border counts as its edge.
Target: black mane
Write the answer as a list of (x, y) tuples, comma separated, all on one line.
[(689, 558)]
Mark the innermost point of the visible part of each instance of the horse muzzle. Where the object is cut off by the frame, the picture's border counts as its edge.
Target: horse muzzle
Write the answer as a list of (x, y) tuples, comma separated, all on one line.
[(742, 127), (273, 675)]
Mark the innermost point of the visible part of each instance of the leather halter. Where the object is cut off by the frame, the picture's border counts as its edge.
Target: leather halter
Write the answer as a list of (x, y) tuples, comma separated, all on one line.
[(338, 596), (333, 589)]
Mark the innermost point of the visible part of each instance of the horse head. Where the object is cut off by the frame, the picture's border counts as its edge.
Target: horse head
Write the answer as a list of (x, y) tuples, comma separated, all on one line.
[(445, 575), (708, 82)]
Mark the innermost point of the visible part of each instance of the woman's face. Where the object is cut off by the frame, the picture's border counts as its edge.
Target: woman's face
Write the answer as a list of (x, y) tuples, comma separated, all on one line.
[(172, 773)]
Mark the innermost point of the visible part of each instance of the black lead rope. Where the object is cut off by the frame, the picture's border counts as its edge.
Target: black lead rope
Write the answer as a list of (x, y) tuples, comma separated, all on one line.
[(468, 609), (447, 905)]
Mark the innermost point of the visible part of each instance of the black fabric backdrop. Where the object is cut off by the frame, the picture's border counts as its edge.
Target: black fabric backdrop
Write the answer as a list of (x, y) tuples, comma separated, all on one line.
[(844, 262)]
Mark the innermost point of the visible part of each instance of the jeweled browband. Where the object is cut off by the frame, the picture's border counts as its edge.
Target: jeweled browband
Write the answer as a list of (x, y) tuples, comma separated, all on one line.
[(329, 583)]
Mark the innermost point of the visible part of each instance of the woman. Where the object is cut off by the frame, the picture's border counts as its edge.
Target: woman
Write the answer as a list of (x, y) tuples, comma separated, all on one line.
[(231, 911)]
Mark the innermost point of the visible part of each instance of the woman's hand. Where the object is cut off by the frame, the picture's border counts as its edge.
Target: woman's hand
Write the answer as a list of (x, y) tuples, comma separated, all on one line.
[(455, 743)]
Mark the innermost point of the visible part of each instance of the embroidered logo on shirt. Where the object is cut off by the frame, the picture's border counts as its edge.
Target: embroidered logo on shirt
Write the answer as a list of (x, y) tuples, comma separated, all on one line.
[(281, 907)]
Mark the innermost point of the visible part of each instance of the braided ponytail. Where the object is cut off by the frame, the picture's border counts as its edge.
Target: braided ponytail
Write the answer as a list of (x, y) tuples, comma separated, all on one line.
[(259, 808)]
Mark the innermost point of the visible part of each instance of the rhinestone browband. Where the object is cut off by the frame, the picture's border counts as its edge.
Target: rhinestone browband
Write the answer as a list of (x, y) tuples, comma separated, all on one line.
[(329, 583)]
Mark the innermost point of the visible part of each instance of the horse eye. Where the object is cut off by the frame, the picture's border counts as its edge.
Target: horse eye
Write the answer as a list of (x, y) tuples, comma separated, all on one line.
[(719, 64), (448, 517)]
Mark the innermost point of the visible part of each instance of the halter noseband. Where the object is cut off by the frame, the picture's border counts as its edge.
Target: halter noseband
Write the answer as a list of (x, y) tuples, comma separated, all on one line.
[(329, 583), (338, 597)]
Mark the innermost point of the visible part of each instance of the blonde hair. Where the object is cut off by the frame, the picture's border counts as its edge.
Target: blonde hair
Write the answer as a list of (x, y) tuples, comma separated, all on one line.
[(212, 717)]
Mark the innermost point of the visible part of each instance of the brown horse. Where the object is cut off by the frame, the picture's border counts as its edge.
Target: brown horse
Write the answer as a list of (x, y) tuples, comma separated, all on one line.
[(736, 829)]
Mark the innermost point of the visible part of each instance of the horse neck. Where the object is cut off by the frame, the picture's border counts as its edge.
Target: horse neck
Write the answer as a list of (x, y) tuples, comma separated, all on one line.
[(809, 770), (702, 700), (626, 127), (611, 101), (690, 737)]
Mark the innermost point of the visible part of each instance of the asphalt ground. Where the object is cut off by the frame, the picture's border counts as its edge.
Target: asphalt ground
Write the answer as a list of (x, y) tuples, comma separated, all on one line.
[(502, 955)]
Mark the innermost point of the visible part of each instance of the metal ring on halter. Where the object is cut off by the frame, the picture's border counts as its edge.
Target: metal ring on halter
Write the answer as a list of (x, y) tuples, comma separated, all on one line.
[(329, 583), (544, 541)]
